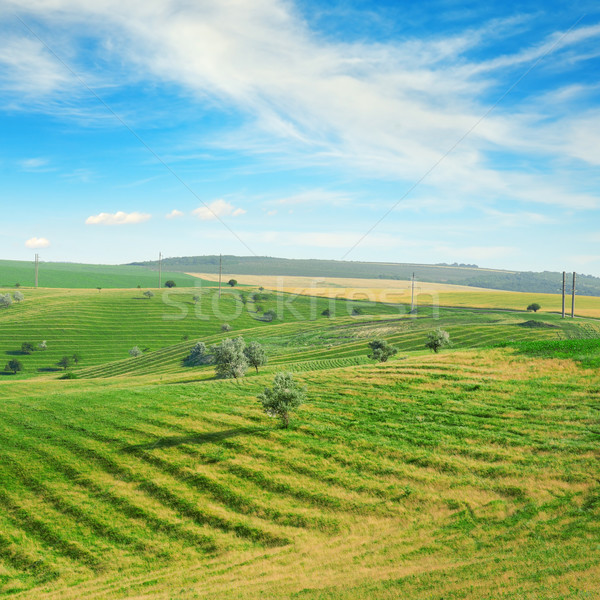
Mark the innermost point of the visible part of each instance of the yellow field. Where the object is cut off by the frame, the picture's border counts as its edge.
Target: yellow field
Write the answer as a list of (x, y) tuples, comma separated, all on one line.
[(378, 290)]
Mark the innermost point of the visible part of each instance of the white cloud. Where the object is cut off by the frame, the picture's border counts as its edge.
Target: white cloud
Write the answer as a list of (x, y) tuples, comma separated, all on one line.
[(319, 197), (35, 242), (34, 164), (217, 209), (118, 218), (174, 214)]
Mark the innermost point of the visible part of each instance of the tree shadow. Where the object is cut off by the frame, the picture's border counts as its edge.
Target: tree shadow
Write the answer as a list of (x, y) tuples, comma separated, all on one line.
[(16, 353), (200, 438), (49, 369)]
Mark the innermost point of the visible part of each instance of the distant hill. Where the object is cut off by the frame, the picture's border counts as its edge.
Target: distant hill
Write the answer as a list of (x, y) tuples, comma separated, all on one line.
[(516, 281)]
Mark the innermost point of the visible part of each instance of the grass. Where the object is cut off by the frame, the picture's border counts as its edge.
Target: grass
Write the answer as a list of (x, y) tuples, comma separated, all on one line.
[(469, 474)]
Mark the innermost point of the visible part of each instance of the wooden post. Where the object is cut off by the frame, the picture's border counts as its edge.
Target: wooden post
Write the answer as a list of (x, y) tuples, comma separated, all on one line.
[(563, 293), (573, 298)]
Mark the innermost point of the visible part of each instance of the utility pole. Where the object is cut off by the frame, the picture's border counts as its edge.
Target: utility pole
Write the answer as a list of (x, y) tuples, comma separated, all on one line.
[(159, 270), (563, 293), (37, 266), (412, 294), (573, 298), (220, 270)]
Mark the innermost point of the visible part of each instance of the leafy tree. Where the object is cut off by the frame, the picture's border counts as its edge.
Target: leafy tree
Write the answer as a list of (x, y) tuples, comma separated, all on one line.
[(5, 300), (18, 296), (76, 358), (17, 285), (258, 308), (139, 287), (284, 397), (196, 299), (381, 350), (226, 327), (438, 339), (269, 315), (232, 282), (243, 298), (27, 348), (326, 312), (230, 359), (65, 362), (170, 284), (255, 355), (14, 366), (149, 294), (534, 306), (357, 310), (198, 355), (99, 289), (135, 351)]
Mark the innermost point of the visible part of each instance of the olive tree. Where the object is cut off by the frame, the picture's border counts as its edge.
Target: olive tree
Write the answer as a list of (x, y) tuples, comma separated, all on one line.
[(229, 357), (5, 300), (255, 355), (438, 339), (284, 397), (381, 350), (135, 351), (198, 355), (18, 296)]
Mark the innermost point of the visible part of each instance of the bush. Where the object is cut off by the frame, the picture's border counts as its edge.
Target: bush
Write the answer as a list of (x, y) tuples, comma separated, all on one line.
[(135, 352), (357, 310), (170, 284), (5, 300), (198, 356), (255, 355), (438, 339), (229, 357), (14, 366), (326, 313), (226, 327), (18, 296), (534, 306), (43, 345), (27, 348), (196, 299), (270, 315), (284, 397), (381, 350), (69, 375)]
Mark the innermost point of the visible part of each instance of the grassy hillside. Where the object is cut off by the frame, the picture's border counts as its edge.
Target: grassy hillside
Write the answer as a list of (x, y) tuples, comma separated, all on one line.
[(517, 281), (72, 275), (469, 474)]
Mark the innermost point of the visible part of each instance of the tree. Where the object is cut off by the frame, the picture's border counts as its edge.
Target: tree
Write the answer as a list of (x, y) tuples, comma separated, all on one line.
[(438, 339), (149, 294), (14, 366), (534, 306), (230, 359), (65, 362), (99, 289), (226, 327), (76, 358), (5, 300), (255, 355), (135, 351), (18, 296), (381, 350), (170, 284), (284, 397), (269, 315), (17, 285), (232, 282), (357, 310), (27, 348), (198, 355), (196, 299), (326, 312)]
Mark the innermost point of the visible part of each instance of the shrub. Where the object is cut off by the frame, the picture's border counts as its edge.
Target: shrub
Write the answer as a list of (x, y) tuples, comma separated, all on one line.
[(69, 375), (43, 345), (13, 366), (198, 355), (229, 357), (284, 397), (255, 355), (326, 313), (27, 348), (196, 299), (5, 300), (18, 296), (534, 306), (381, 350), (270, 315), (357, 310), (226, 327), (135, 352), (438, 339)]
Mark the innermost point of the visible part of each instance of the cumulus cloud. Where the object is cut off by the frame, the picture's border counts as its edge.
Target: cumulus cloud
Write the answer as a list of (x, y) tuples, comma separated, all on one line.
[(217, 209), (35, 242), (118, 218), (174, 214)]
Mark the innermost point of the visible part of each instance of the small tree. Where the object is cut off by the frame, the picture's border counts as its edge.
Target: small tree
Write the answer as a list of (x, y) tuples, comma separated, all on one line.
[(149, 294), (232, 282), (243, 298), (226, 327), (99, 289), (230, 359), (284, 397), (43, 345), (135, 352), (534, 306), (196, 299), (5, 300), (17, 285), (198, 355), (27, 348), (438, 339), (76, 358), (261, 289), (326, 312), (381, 350), (170, 284), (65, 362), (255, 355), (269, 315), (18, 296), (13, 366)]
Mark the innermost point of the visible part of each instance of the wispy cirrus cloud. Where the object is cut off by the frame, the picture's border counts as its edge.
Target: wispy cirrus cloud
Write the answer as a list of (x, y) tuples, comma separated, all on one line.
[(118, 218)]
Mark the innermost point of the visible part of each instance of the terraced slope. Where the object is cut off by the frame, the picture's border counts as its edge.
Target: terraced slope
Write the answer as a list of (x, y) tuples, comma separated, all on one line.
[(470, 474)]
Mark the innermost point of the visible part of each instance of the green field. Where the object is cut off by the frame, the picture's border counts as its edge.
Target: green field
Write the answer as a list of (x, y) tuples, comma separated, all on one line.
[(72, 275), (470, 474)]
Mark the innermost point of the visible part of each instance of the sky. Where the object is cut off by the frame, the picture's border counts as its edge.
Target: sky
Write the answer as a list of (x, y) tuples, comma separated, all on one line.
[(393, 131)]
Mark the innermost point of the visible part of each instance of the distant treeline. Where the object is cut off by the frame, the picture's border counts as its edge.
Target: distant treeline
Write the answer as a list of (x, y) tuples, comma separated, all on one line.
[(458, 274)]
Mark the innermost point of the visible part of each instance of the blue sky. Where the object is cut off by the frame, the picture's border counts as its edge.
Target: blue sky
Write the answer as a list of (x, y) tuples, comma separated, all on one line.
[(427, 132)]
